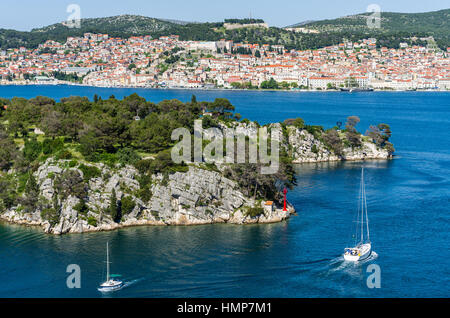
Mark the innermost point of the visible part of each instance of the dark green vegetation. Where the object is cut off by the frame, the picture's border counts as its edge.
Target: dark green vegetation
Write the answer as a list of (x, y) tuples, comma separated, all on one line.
[(336, 139), (395, 28), (121, 26), (435, 21), (380, 136), (110, 131), (115, 132)]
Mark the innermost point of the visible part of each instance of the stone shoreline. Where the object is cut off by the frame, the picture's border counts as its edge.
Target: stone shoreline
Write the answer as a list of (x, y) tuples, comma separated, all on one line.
[(278, 216), (195, 197)]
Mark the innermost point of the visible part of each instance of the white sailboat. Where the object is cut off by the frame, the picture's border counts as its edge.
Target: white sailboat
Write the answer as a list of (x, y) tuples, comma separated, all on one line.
[(363, 248), (110, 284)]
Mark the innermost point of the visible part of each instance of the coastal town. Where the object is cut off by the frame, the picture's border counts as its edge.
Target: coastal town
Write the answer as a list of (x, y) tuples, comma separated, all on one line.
[(167, 62)]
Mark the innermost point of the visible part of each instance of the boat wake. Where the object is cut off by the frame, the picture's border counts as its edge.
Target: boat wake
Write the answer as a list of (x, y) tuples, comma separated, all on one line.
[(372, 257), (125, 285), (131, 282), (340, 264)]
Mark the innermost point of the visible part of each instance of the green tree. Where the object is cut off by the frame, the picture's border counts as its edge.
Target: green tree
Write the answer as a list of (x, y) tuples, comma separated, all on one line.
[(21, 114), (127, 204), (81, 207), (380, 136), (32, 149), (50, 146), (270, 84), (113, 207), (297, 122), (333, 141), (331, 86), (352, 135), (221, 106), (128, 156), (51, 123), (69, 183), (351, 123), (8, 150), (8, 193)]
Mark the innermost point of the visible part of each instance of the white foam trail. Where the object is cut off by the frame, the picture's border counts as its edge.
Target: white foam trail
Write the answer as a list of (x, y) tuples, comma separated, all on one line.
[(132, 282), (372, 257), (341, 262), (345, 266)]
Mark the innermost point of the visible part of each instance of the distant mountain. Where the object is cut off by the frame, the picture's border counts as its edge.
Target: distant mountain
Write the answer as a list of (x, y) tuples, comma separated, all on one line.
[(122, 25), (435, 22), (118, 24), (395, 28), (392, 24)]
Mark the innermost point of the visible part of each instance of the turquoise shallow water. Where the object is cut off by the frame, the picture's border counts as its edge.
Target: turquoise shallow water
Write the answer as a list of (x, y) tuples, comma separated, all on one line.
[(408, 201)]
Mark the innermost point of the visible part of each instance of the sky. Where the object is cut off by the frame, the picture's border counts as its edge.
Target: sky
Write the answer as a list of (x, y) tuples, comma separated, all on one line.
[(27, 14)]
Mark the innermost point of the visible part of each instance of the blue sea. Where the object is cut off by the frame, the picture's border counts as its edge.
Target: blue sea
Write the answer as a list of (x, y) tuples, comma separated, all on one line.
[(408, 205)]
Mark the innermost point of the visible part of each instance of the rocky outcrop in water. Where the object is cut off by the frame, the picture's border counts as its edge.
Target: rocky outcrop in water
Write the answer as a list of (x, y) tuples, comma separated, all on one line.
[(307, 148)]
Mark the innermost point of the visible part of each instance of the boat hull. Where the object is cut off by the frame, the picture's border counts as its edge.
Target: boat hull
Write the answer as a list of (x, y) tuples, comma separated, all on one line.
[(363, 252), (109, 287)]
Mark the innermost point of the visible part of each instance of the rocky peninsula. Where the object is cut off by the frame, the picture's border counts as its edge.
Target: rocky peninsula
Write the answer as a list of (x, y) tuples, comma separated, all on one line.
[(66, 191)]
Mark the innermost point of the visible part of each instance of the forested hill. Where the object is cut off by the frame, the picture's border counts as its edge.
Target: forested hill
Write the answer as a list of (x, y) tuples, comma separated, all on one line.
[(121, 26), (395, 28), (434, 23)]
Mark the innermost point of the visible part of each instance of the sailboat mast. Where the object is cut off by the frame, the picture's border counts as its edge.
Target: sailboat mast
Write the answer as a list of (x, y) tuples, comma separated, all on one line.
[(367, 218), (362, 205), (107, 262)]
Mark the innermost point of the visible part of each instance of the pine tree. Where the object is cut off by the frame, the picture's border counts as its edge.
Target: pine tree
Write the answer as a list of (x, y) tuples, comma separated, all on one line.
[(55, 202), (32, 188), (113, 209)]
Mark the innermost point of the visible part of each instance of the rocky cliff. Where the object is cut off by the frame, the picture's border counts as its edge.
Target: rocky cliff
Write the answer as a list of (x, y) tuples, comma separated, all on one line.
[(307, 148), (303, 146), (197, 196)]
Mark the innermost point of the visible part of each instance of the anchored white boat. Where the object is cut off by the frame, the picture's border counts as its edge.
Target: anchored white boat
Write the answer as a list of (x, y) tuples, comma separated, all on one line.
[(110, 284), (362, 249)]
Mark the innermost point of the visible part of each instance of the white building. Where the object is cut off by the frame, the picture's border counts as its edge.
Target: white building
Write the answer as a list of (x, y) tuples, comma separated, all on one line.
[(203, 46)]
